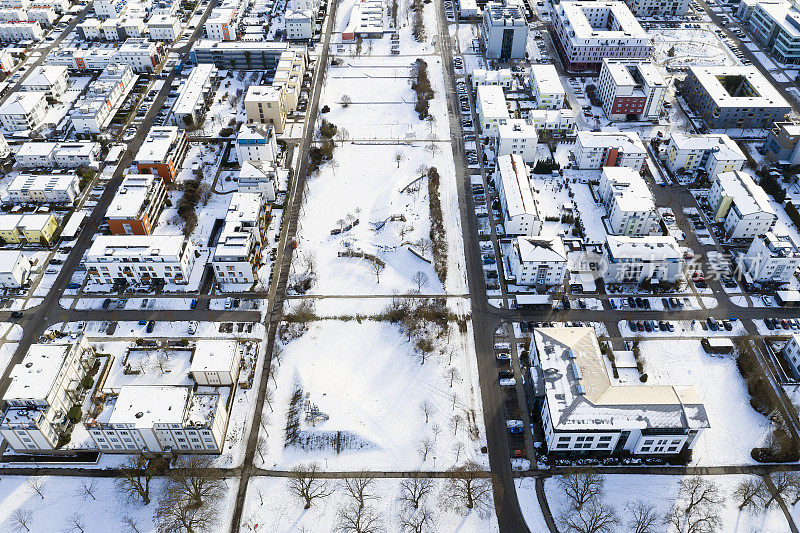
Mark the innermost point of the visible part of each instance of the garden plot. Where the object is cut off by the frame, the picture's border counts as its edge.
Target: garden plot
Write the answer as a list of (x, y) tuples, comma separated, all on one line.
[(366, 390), (735, 426), (552, 194), (621, 491), (226, 107), (367, 186), (270, 504), (689, 47)]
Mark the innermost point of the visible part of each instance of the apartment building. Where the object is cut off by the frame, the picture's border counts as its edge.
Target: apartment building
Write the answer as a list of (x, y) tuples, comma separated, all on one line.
[(583, 413), (518, 136), (237, 257), (733, 97), (44, 386), (636, 259), (791, 354), (43, 189), (164, 28), (365, 20), (539, 262), (5, 150), (51, 80), (221, 24), (548, 91), (95, 110), (775, 25), (162, 419), (145, 259), (81, 60), (58, 154), (256, 142), (23, 111), (265, 104), (162, 152), (771, 259), (21, 30), (216, 363), (743, 205), (782, 143), (491, 107), (553, 121), (299, 25), (631, 90), (140, 54), (242, 55), (504, 31), (658, 8), (109, 9), (45, 16), (261, 177), (15, 269), (629, 202), (137, 205), (712, 154), (597, 149), (190, 105), (501, 77), (31, 228), (588, 32), (517, 205)]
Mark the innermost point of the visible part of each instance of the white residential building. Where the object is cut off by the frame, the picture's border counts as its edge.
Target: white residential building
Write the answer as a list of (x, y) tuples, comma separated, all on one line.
[(23, 111), (629, 202), (791, 354), (711, 153), (583, 412), (636, 259), (548, 92), (215, 362), (265, 104), (501, 77), (366, 20), (140, 54), (588, 32), (161, 419), (191, 102), (631, 89), (58, 154), (771, 259), (164, 28), (21, 30), (553, 121), (504, 30), (109, 29), (256, 142), (97, 107), (44, 386), (15, 269), (7, 61), (43, 188), (658, 8), (140, 259), (518, 136), (517, 205), (261, 177), (109, 9), (743, 204), (537, 261), (299, 25), (221, 24), (491, 107), (4, 148), (48, 79), (237, 257), (597, 149), (90, 29), (45, 16)]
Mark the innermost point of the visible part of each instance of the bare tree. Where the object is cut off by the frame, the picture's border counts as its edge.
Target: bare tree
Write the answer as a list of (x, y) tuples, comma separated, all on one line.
[(195, 480), (360, 487), (261, 446), (455, 421), (161, 362), (452, 373), (436, 429), (377, 268), (36, 484), (423, 245), (22, 519), (458, 447), (697, 508), (354, 518), (431, 120), (398, 157), (644, 518), (269, 394), (418, 520), (177, 511), (88, 486), (130, 524), (415, 490), (135, 475), (420, 279), (581, 488), (468, 489), (309, 259), (593, 517), (424, 448), (346, 100), (76, 522), (425, 347), (749, 493), (306, 484), (427, 409), (786, 485)]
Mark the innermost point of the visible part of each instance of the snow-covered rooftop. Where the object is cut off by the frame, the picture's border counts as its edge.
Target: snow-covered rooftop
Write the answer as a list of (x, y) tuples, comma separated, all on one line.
[(618, 21), (540, 249), (516, 186), (724, 147), (546, 78), (626, 142), (34, 376), (758, 92), (492, 101), (214, 355), (146, 405), (748, 197), (648, 248)]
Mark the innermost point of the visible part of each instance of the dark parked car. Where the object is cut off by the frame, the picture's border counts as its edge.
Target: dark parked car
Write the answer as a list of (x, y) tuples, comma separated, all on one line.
[(106, 303), (16, 314), (150, 326)]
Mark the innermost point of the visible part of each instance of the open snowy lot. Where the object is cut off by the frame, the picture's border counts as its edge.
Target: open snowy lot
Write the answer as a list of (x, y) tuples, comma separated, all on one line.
[(662, 492), (735, 426), (687, 47), (369, 389), (272, 506)]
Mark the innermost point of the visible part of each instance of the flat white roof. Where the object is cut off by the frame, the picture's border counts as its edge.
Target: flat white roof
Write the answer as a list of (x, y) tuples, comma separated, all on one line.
[(193, 88), (748, 196), (648, 248), (766, 95), (36, 149), (724, 147), (547, 79), (516, 186), (157, 144), (626, 142), (492, 101), (43, 182), (33, 377), (132, 193), (214, 355), (619, 21), (629, 189), (146, 405), (138, 246), (620, 71)]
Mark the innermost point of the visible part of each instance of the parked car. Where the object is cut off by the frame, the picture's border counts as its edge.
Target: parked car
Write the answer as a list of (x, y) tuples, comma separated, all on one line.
[(150, 325)]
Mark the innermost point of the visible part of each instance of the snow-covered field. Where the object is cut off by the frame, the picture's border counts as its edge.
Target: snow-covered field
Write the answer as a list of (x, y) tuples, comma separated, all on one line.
[(661, 492), (272, 506), (367, 380), (735, 426)]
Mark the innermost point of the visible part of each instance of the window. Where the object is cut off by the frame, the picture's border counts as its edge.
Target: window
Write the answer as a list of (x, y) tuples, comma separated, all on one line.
[(648, 442), (564, 439), (605, 439), (562, 446), (645, 449)]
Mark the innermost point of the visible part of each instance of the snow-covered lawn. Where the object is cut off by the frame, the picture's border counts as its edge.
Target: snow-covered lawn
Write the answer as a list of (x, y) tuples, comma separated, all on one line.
[(367, 380), (661, 492), (684, 47), (271, 506), (735, 426), (529, 504)]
